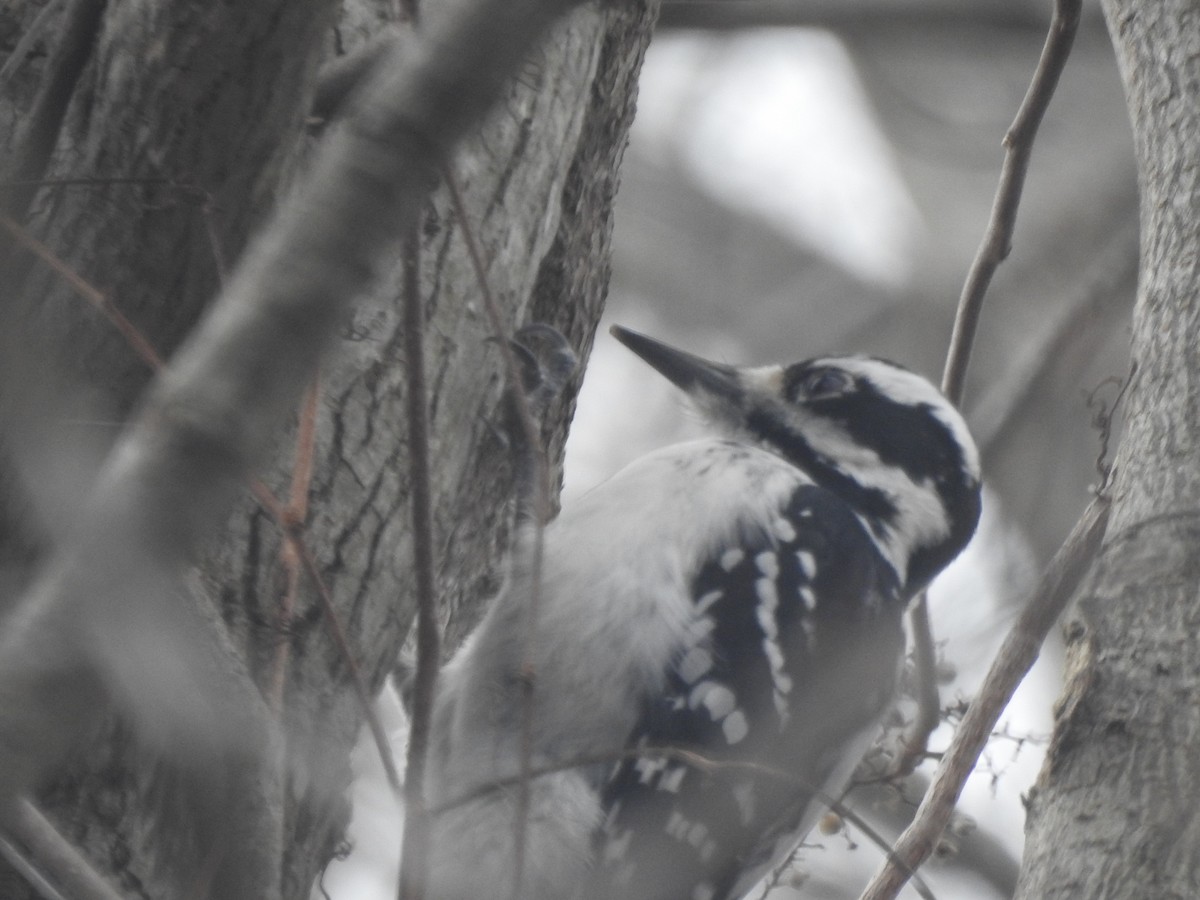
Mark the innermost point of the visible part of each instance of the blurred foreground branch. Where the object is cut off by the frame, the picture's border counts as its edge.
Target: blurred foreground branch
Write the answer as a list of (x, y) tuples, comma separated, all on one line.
[(105, 620)]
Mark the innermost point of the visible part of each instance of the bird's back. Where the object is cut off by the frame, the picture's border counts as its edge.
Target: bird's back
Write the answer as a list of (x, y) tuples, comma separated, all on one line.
[(794, 644)]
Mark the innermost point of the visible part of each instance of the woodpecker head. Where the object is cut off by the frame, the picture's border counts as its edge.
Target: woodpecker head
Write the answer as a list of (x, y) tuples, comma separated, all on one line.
[(881, 437)]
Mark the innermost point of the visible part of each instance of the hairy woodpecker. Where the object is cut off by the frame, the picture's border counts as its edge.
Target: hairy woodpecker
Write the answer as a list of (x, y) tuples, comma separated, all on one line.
[(717, 637)]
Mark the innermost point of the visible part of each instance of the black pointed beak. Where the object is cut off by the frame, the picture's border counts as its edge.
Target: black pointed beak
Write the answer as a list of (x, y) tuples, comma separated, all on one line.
[(691, 374)]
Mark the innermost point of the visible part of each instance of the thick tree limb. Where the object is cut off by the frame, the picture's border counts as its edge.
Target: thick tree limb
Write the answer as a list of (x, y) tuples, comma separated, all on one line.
[(1113, 813), (85, 630)]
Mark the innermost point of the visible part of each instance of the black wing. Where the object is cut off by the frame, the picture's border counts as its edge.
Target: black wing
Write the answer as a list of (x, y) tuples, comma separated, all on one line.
[(795, 650)]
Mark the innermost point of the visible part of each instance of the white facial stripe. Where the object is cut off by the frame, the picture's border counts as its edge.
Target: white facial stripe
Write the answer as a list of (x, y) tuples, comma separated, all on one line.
[(909, 388), (717, 410), (920, 518), (763, 379), (901, 385)]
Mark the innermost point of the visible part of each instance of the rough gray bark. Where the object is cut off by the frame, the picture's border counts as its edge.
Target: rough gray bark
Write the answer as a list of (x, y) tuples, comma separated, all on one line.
[(208, 102), (1113, 814)]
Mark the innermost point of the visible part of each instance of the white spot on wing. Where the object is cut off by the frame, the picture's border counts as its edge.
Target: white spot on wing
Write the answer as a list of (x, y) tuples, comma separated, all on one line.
[(747, 803), (768, 564), (809, 598), (695, 664), (672, 779), (767, 606), (807, 624), (808, 564), (699, 629), (781, 706), (677, 826), (730, 559), (774, 654), (735, 727), (767, 600), (648, 767), (716, 698), (616, 848)]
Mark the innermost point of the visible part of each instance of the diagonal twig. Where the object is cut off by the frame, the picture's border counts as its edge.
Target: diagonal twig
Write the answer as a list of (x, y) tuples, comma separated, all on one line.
[(98, 299), (1017, 655), (993, 250), (356, 674), (997, 239)]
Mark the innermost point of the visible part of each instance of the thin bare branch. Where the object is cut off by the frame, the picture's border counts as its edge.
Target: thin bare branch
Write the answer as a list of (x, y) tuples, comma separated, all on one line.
[(290, 520), (292, 567), (997, 239), (416, 835), (925, 688), (541, 512), (993, 250), (1017, 655), (87, 291)]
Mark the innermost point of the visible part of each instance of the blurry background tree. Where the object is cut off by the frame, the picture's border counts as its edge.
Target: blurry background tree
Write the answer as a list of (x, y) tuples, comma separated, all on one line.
[(168, 129)]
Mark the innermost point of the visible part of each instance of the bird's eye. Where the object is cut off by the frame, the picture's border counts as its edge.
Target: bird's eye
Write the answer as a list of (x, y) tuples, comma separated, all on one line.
[(826, 383)]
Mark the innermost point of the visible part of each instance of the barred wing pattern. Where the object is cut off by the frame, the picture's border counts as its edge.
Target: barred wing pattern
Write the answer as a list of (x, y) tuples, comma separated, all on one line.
[(793, 655)]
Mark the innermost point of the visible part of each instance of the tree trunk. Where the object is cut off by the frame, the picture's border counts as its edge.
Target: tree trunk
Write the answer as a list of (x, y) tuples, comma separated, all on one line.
[(186, 121), (1113, 813)]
